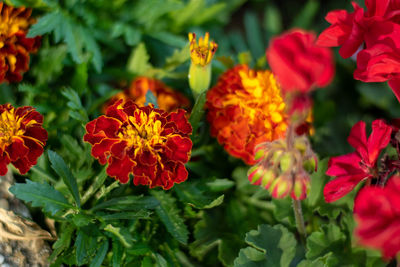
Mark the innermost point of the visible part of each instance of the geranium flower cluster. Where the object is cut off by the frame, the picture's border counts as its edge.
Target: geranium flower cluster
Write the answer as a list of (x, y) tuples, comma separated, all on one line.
[(373, 35), (377, 205)]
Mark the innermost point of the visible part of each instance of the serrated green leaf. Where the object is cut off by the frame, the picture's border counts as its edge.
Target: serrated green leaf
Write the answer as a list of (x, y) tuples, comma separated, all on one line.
[(41, 195), (318, 181), (77, 111), (93, 48), (276, 243), (197, 195), (45, 24), (138, 62), (168, 213), (329, 239), (128, 203), (81, 220), (63, 242), (130, 215), (100, 255), (50, 63), (85, 245), (59, 166)]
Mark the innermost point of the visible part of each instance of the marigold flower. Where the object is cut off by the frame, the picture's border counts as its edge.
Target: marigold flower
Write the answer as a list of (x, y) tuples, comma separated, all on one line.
[(149, 143), (167, 98), (202, 53), (298, 63), (22, 137), (245, 109), (352, 168), (377, 212), (14, 45)]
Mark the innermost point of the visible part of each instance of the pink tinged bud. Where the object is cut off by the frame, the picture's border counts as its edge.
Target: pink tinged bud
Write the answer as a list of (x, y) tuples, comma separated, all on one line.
[(286, 162), (259, 154), (254, 174), (268, 178), (280, 187), (300, 189), (310, 165)]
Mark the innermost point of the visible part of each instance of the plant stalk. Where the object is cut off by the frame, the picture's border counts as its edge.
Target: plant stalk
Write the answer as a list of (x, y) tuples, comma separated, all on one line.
[(298, 214)]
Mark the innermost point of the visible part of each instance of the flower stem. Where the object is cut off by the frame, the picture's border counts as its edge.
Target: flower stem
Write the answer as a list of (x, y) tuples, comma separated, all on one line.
[(298, 214), (198, 111)]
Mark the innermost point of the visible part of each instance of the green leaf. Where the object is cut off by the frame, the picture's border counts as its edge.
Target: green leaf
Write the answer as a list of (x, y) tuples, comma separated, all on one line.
[(151, 99), (50, 63), (128, 203), (117, 251), (41, 195), (93, 48), (63, 242), (100, 255), (253, 34), (59, 166), (124, 237), (81, 220), (318, 181), (138, 62), (305, 17), (197, 195), (85, 246), (219, 185), (168, 213), (276, 243), (45, 24), (130, 215), (329, 239), (78, 112), (272, 20)]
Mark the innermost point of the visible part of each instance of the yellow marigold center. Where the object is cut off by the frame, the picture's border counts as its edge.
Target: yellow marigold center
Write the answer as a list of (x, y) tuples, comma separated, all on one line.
[(9, 126), (260, 99), (143, 132), (202, 53), (11, 23)]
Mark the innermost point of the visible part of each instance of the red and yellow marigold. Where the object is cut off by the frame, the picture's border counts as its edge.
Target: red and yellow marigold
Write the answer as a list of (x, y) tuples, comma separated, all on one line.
[(149, 143), (22, 137), (14, 45), (167, 98), (245, 109)]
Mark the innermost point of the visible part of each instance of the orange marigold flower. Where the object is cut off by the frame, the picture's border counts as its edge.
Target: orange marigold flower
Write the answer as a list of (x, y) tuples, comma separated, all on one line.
[(246, 108), (149, 143), (14, 45), (202, 53), (22, 137), (167, 98)]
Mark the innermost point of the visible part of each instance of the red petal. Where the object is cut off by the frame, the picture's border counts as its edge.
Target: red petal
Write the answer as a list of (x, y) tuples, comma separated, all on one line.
[(341, 186), (120, 169), (358, 140), (378, 140)]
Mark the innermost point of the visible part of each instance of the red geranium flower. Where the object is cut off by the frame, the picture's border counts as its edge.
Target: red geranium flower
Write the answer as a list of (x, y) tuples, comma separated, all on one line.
[(14, 45), (22, 137), (298, 63), (377, 211), (149, 143), (380, 60), (361, 164)]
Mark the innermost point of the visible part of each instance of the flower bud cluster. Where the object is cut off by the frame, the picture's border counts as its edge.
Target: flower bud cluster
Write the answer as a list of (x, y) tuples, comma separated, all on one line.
[(284, 168)]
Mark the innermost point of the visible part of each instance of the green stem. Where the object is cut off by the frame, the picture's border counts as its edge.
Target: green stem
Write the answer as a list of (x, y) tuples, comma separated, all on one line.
[(98, 182), (298, 214), (197, 112), (105, 190)]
